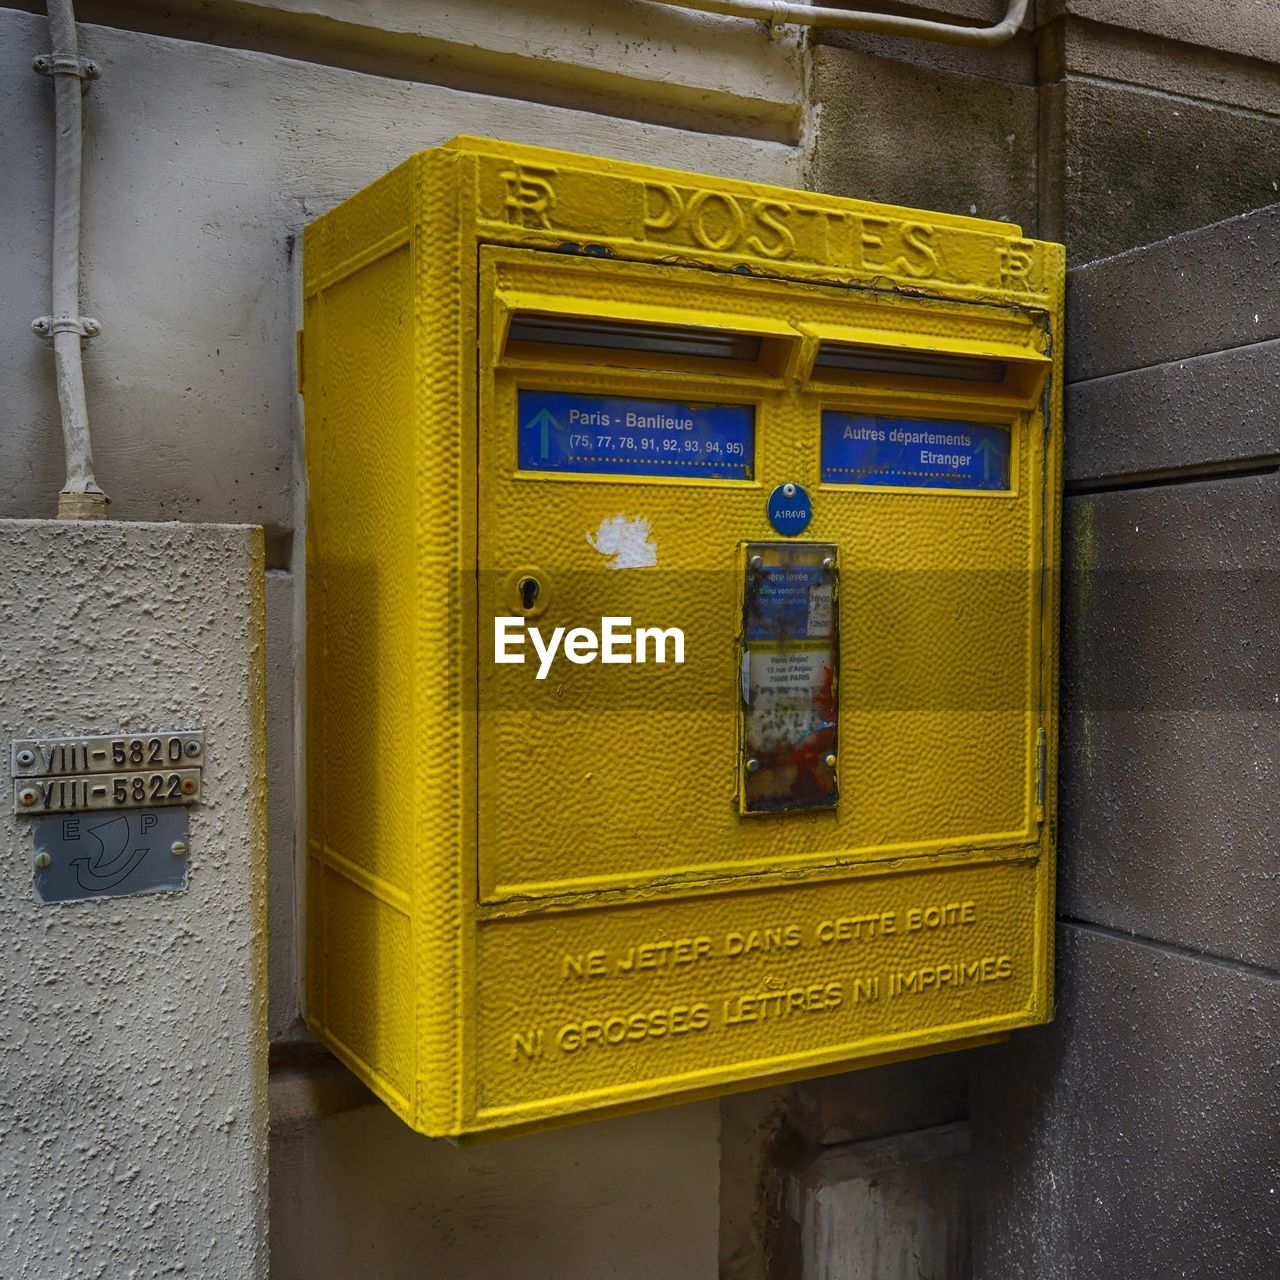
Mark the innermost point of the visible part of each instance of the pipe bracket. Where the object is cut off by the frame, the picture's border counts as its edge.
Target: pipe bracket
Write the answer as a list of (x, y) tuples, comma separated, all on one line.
[(54, 64), (50, 326)]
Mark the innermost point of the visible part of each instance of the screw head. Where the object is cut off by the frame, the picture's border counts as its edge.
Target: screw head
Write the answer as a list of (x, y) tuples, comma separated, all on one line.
[(27, 796), (91, 327), (189, 787), (828, 562), (789, 489), (26, 757), (752, 765), (192, 748), (830, 762), (757, 562), (178, 848), (43, 860)]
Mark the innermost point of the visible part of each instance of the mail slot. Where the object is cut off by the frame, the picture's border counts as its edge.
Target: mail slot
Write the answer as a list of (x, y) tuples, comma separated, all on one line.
[(681, 634)]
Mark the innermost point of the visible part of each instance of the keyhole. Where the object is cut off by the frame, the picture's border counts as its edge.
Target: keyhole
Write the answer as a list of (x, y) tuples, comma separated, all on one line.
[(528, 589)]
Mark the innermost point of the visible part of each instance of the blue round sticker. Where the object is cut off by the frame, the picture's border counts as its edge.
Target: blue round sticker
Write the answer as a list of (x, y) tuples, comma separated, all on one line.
[(789, 509)]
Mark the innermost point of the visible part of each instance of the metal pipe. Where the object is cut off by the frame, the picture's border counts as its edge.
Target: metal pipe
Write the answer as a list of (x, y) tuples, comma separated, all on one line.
[(780, 13), (81, 498)]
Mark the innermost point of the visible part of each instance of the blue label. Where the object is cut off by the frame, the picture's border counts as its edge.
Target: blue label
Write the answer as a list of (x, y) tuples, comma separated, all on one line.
[(913, 453), (789, 513), (618, 435)]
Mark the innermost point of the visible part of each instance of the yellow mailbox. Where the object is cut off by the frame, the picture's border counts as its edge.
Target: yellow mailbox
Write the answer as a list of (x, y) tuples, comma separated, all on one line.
[(682, 634)]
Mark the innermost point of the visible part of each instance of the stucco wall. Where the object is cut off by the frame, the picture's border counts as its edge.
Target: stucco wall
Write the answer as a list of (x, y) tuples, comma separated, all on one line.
[(133, 1048), (203, 164)]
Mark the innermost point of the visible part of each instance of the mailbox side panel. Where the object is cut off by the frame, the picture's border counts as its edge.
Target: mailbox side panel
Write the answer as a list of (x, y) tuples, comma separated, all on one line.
[(357, 371), (1055, 450)]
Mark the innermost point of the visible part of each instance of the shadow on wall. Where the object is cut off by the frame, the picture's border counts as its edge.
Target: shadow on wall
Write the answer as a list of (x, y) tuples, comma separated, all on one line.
[(354, 1192)]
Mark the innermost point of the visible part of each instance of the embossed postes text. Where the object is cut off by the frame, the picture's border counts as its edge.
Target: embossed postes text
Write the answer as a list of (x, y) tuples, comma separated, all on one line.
[(771, 228)]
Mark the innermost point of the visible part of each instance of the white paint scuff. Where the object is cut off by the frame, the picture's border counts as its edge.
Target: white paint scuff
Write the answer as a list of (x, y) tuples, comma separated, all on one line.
[(627, 539)]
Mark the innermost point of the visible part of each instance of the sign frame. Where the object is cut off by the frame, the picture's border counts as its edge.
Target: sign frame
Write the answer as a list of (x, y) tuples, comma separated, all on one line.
[(886, 422), (672, 457)]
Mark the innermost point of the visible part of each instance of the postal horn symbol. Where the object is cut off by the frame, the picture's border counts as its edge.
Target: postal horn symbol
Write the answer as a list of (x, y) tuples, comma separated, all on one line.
[(114, 861)]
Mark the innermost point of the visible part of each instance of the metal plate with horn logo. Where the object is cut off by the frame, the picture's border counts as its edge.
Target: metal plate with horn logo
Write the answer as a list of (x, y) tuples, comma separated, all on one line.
[(110, 855)]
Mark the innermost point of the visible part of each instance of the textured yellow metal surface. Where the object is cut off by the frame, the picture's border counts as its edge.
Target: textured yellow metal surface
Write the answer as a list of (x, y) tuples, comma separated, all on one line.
[(531, 901)]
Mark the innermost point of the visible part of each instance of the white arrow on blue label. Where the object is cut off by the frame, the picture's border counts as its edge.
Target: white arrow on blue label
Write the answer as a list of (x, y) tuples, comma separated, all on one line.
[(544, 421)]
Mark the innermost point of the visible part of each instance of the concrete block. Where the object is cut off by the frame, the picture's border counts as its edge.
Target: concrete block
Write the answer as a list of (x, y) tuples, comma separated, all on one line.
[(133, 1048), (1077, 48), (923, 138), (1245, 27), (1171, 715), (974, 12), (893, 1208), (1135, 1135), (1206, 412), (1208, 290), (1126, 166), (357, 1193), (1013, 61)]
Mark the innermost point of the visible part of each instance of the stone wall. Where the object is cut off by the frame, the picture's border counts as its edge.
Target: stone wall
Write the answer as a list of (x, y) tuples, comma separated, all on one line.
[(1135, 1136), (1105, 124)]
